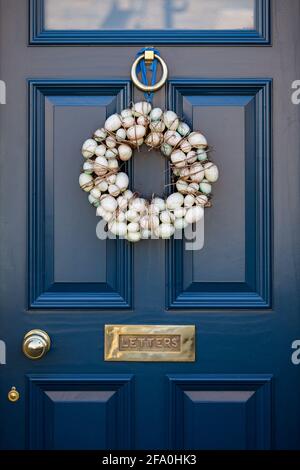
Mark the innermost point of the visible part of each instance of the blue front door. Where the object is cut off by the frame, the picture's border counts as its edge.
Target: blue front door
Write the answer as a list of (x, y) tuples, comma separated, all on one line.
[(240, 290)]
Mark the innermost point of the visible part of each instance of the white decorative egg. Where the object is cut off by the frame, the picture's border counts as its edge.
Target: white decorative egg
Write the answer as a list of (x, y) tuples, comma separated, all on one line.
[(166, 149), (205, 188), (181, 186), (159, 202), (174, 201), (194, 214), (111, 153), (193, 188), (100, 166), (128, 121), (86, 182), (143, 121), (96, 193), (125, 152), (122, 203), (201, 155), (183, 129), (180, 224), (172, 138), (118, 228), (171, 120), (191, 157), (133, 227), (189, 200), (178, 158), (211, 172), (88, 167), (179, 213), (157, 126), (100, 150), (89, 148), (128, 194), (167, 217), (153, 209), (184, 172), (145, 234), (133, 236), (144, 222), (165, 230), (100, 211), (185, 146), (100, 135), (154, 139), (153, 221), (138, 142), (114, 190), (197, 140), (156, 114), (142, 108), (102, 186), (132, 215), (136, 132), (120, 217), (126, 112), (108, 203), (122, 181), (121, 134), (197, 172), (138, 204), (201, 200), (113, 163), (107, 216), (110, 142), (113, 123)]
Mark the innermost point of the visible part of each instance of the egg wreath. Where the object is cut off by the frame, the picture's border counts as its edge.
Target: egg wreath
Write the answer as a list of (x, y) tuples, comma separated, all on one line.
[(128, 215)]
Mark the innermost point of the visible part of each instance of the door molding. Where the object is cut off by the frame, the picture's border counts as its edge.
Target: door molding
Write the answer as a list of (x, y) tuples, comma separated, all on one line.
[(202, 407), (255, 292), (43, 290), (51, 401), (38, 35)]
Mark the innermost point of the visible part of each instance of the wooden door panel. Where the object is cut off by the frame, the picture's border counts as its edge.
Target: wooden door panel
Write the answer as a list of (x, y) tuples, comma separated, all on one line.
[(68, 266), (79, 412), (234, 268), (220, 412)]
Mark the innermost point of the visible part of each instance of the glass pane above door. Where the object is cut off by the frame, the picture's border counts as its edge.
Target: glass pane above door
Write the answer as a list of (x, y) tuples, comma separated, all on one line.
[(149, 15)]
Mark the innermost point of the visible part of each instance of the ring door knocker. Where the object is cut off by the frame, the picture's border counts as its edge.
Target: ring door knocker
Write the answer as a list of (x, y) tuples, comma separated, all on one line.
[(126, 213), (149, 56)]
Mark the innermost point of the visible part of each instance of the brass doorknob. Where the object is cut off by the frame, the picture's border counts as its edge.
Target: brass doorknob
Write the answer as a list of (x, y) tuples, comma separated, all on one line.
[(36, 344), (13, 395)]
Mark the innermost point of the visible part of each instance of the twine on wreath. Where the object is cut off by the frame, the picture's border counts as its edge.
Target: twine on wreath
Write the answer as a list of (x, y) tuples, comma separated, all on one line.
[(164, 131), (135, 145)]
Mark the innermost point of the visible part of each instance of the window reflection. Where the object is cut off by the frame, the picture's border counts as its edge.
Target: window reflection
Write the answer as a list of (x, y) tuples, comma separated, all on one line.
[(149, 14)]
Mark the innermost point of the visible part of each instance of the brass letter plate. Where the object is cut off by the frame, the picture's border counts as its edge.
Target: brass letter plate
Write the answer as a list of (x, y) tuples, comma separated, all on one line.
[(150, 343)]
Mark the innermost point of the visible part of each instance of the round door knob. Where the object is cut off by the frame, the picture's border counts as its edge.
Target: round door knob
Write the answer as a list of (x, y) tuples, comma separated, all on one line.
[(13, 395), (36, 344)]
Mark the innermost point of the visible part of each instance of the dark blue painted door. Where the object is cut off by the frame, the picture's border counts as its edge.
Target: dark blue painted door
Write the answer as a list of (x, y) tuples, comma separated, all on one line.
[(240, 290)]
